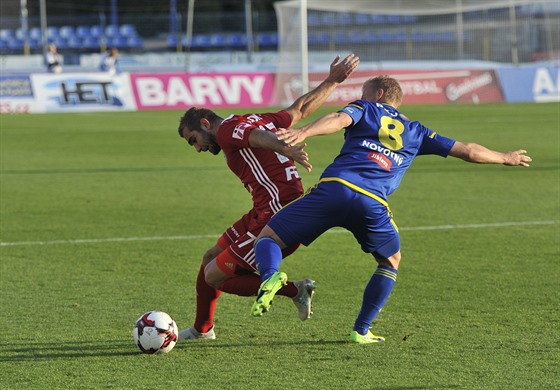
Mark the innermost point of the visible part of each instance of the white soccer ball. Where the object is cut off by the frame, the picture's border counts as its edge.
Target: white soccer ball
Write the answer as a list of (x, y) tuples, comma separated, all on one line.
[(155, 332)]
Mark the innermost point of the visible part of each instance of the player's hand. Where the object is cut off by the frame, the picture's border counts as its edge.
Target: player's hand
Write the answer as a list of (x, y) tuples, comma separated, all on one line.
[(341, 70), (518, 157), (291, 136), (299, 155)]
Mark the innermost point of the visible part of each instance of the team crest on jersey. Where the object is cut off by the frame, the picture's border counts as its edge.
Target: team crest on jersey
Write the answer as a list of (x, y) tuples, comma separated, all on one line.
[(381, 160), (239, 130)]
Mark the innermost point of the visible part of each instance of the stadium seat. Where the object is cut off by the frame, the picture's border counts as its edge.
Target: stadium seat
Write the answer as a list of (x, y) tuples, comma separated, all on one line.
[(14, 44), (74, 42), (35, 33), (117, 41), (20, 34), (328, 19), (66, 32), (341, 37), (313, 19), (171, 41), (35, 44), (91, 43), (377, 19), (134, 42), (363, 37), (344, 19), (52, 33), (128, 30), (217, 40), (6, 34), (82, 31), (112, 31), (199, 41), (236, 40), (60, 42), (319, 38), (96, 31), (267, 39), (362, 19)]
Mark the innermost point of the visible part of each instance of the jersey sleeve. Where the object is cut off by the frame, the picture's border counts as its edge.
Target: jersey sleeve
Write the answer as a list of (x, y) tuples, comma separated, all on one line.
[(355, 110), (433, 143), (234, 131)]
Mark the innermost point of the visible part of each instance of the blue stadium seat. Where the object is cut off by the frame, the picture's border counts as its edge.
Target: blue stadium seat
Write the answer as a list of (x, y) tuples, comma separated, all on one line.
[(3, 45), (35, 33), (313, 19), (35, 44), (319, 38), (377, 19), (14, 44), (328, 19), (66, 32), (134, 42), (217, 40), (82, 31), (7, 34), (60, 42), (74, 42), (91, 43), (362, 19), (363, 37), (236, 40), (199, 41), (344, 19), (341, 37), (118, 42), (20, 34), (96, 31), (112, 31), (171, 41), (52, 33), (267, 39), (128, 30)]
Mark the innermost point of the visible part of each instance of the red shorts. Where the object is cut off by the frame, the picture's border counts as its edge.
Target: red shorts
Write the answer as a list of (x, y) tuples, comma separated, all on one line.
[(238, 255)]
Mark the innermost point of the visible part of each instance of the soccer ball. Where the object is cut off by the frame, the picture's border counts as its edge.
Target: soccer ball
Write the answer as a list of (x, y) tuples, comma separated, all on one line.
[(155, 332)]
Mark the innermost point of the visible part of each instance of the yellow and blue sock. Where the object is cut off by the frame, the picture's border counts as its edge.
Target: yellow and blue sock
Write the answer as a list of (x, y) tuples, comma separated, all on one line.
[(376, 294), (268, 256)]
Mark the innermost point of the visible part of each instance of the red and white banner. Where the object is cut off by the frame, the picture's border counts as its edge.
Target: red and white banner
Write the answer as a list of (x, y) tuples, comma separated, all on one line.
[(420, 86), (179, 90)]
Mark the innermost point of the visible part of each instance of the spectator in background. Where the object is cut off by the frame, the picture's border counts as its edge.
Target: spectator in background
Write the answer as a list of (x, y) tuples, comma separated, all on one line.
[(53, 60), (110, 62)]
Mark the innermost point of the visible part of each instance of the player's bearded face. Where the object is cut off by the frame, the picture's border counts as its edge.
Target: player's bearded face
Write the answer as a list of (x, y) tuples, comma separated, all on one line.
[(213, 146), (202, 141)]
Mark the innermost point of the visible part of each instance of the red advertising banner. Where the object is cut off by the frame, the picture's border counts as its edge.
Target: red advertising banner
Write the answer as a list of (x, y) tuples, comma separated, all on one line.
[(180, 90), (419, 86)]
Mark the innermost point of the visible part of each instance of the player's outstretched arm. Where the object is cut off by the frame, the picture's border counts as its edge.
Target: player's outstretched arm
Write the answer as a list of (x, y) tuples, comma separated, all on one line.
[(311, 101), (268, 140), (327, 124), (475, 153)]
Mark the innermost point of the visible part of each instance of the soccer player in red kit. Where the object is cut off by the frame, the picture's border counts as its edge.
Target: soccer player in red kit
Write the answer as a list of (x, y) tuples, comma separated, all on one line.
[(266, 167)]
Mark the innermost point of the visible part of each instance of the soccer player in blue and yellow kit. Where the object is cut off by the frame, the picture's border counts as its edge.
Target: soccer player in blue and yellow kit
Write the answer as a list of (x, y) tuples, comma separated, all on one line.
[(380, 143)]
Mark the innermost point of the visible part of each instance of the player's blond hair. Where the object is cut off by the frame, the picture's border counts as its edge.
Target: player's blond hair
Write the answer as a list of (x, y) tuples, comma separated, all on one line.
[(392, 88)]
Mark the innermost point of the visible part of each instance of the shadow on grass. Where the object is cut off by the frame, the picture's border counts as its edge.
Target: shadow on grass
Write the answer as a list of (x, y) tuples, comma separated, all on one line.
[(29, 351), (26, 351)]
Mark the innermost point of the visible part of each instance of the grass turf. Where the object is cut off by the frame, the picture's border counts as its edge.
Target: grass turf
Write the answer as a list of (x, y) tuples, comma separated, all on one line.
[(475, 304)]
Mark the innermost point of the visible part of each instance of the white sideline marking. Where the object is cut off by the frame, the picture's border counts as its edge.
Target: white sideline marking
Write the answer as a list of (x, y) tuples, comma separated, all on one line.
[(194, 237)]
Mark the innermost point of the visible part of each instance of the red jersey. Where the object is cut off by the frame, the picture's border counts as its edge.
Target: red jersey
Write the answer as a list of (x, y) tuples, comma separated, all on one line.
[(271, 178)]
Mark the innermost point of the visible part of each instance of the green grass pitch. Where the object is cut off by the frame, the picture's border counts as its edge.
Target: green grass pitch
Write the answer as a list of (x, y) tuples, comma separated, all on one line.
[(104, 216)]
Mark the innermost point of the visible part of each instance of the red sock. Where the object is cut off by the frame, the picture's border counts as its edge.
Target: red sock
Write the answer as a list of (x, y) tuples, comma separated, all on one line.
[(206, 300), (248, 285)]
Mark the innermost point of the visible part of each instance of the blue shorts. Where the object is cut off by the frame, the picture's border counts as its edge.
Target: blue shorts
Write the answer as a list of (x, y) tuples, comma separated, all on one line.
[(332, 204)]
